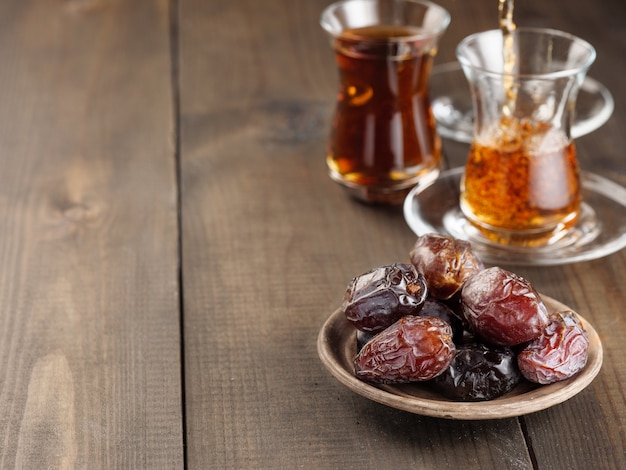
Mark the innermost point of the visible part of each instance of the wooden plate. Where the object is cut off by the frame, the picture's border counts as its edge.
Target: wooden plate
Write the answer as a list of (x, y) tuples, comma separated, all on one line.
[(336, 346)]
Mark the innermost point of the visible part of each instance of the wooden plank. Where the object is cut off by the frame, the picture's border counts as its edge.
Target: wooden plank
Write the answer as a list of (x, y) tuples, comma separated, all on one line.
[(269, 244), (89, 314), (587, 431)]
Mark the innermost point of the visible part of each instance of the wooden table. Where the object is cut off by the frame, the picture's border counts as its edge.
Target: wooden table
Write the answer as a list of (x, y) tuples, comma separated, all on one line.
[(170, 245)]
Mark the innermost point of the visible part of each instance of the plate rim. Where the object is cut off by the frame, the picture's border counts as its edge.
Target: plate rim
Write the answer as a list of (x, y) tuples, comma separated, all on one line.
[(537, 399)]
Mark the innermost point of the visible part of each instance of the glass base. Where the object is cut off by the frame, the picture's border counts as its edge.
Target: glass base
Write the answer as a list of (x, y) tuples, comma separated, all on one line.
[(379, 194), (585, 230), (539, 237), (599, 231)]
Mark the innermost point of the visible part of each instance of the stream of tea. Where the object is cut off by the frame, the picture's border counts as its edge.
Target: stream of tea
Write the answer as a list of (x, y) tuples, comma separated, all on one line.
[(507, 26)]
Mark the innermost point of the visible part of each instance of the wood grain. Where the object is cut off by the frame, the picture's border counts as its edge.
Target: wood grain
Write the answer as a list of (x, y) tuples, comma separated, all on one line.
[(269, 244), (89, 349), (98, 100)]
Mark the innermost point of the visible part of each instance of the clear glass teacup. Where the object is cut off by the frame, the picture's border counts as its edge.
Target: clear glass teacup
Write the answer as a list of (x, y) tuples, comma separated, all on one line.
[(521, 184), (384, 139)]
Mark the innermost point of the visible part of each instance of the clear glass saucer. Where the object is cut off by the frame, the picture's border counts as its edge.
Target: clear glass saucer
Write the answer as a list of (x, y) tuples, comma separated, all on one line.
[(600, 231), (452, 104)]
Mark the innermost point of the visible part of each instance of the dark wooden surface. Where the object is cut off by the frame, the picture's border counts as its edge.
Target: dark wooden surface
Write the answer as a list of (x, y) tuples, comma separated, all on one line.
[(170, 245)]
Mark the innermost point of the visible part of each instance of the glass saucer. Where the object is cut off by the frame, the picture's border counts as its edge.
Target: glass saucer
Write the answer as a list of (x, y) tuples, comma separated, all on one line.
[(452, 104), (600, 231)]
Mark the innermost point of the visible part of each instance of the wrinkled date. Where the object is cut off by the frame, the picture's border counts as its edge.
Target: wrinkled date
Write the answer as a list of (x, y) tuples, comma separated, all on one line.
[(559, 353), (412, 349), (502, 308), (445, 262), (382, 296), (468, 332), (478, 372), (435, 308)]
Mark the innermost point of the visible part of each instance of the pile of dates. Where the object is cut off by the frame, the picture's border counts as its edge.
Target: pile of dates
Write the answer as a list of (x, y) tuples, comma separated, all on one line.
[(469, 332)]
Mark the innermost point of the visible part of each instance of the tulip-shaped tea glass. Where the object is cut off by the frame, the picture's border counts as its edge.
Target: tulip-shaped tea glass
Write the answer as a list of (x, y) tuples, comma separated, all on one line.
[(521, 184), (383, 139)]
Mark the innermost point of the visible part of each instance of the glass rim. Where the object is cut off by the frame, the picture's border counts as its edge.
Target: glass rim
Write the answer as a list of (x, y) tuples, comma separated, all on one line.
[(566, 72), (435, 32)]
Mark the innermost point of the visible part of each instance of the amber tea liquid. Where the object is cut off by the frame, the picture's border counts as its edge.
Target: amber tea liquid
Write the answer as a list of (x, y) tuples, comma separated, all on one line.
[(383, 136), (524, 180)]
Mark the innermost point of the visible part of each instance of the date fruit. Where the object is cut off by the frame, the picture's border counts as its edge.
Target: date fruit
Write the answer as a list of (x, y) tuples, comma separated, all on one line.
[(559, 353), (502, 308), (382, 296), (412, 349), (445, 262), (435, 308), (478, 372), (468, 332), (362, 338)]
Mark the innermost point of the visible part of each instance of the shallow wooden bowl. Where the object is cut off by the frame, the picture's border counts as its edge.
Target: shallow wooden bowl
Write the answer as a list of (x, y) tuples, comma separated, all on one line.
[(336, 346)]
